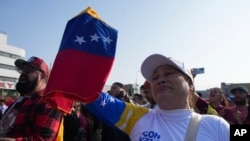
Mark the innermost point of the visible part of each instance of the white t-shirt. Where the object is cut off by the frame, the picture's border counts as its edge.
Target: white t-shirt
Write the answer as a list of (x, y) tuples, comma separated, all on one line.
[(162, 125), (143, 124), (148, 105)]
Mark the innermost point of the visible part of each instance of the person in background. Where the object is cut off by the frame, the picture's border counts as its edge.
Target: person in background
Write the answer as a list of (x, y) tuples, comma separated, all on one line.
[(201, 105), (139, 99), (3, 107), (117, 90), (108, 132), (200, 94), (173, 118), (73, 128), (92, 125), (239, 114), (215, 105), (230, 99), (10, 102), (30, 117), (148, 95), (218, 101)]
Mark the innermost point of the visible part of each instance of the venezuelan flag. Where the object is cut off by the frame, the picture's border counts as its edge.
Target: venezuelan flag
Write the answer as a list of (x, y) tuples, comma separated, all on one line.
[(83, 62)]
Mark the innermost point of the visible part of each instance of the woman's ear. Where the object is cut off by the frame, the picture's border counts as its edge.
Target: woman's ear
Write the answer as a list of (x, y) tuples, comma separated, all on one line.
[(191, 87), (42, 75)]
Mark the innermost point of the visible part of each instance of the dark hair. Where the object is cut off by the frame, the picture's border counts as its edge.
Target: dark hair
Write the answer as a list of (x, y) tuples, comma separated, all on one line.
[(199, 93), (119, 84), (140, 97), (2, 100)]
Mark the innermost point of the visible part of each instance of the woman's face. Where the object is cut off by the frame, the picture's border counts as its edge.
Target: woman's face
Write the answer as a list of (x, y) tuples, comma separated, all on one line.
[(170, 89), (215, 95)]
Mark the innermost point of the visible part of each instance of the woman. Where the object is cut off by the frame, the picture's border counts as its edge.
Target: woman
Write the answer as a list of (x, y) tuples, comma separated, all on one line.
[(172, 87), (218, 101)]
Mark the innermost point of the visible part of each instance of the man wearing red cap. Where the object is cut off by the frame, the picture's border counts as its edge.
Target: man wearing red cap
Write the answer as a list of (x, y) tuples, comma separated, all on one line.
[(30, 117)]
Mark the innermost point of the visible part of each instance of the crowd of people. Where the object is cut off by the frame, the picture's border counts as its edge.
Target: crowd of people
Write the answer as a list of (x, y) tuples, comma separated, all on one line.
[(168, 108)]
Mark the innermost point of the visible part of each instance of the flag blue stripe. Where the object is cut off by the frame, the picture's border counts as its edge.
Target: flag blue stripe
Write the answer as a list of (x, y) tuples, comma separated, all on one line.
[(84, 27), (109, 113)]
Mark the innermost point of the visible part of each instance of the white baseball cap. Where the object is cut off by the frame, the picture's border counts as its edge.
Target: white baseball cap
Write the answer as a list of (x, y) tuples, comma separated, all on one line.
[(155, 60)]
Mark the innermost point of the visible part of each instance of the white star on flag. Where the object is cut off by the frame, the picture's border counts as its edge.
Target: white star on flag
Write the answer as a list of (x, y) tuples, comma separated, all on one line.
[(112, 99), (108, 40), (80, 40), (103, 103), (94, 37)]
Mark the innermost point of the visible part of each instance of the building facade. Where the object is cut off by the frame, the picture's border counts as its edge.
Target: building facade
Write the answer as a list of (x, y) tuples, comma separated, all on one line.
[(8, 73)]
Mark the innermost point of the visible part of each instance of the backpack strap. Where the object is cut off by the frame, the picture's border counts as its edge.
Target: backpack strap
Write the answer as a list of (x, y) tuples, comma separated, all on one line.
[(193, 127)]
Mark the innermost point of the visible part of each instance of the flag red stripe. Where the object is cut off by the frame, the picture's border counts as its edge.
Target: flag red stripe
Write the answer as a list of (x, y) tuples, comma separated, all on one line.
[(71, 75)]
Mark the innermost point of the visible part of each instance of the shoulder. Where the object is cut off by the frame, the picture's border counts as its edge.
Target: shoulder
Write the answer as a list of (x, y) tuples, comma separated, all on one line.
[(214, 121), (213, 127), (147, 105)]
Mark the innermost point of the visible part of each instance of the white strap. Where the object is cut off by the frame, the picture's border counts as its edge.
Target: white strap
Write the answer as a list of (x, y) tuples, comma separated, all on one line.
[(193, 127)]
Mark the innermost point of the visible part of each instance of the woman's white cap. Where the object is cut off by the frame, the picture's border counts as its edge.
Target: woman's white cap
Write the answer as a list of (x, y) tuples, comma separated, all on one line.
[(155, 60)]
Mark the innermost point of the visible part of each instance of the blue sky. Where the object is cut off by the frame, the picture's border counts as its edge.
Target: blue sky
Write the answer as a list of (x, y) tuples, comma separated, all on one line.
[(214, 34)]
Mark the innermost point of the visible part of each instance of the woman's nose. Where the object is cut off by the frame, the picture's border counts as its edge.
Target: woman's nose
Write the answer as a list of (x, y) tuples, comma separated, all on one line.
[(160, 81)]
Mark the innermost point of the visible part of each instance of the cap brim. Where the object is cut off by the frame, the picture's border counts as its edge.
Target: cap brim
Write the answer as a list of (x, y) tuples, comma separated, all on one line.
[(239, 89), (152, 62), (20, 63)]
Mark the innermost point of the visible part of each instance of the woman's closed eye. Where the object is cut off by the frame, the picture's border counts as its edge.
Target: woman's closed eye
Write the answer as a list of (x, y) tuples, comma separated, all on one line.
[(165, 74)]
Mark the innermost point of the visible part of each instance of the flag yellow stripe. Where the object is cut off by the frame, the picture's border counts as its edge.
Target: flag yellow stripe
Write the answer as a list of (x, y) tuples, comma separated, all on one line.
[(130, 116), (91, 12)]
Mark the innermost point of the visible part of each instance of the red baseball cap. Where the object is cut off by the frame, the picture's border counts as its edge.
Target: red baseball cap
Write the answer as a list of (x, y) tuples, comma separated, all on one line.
[(35, 62)]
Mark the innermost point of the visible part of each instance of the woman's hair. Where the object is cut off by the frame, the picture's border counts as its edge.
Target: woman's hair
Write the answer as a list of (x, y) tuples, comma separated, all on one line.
[(190, 96), (224, 101), (191, 101)]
